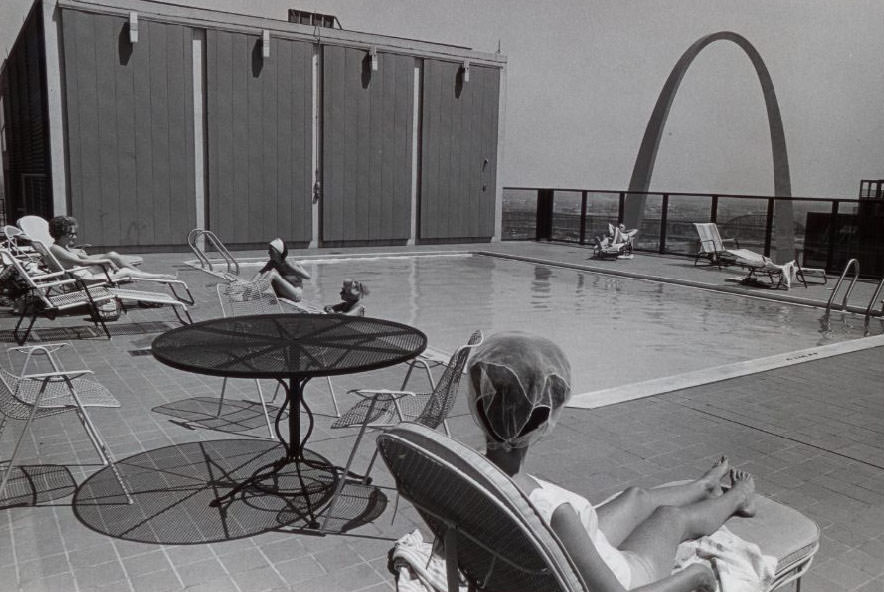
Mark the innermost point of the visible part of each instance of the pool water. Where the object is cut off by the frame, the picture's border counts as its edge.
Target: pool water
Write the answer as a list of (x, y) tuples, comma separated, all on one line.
[(614, 330)]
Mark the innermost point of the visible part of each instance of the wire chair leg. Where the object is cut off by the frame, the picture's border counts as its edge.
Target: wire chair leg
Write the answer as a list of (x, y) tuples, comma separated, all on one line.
[(264, 407), (334, 399), (343, 477), (221, 397), (18, 443), (107, 457)]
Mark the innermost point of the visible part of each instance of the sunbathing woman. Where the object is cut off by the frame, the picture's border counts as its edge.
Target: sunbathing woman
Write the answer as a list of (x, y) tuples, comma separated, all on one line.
[(286, 279), (352, 291), (63, 229), (519, 384)]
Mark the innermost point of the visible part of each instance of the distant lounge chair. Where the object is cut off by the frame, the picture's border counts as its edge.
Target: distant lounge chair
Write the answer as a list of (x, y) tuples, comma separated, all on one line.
[(759, 265), (711, 245), (618, 244)]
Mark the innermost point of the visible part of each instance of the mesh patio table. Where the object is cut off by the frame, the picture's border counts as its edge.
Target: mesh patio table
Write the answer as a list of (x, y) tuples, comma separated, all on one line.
[(292, 349)]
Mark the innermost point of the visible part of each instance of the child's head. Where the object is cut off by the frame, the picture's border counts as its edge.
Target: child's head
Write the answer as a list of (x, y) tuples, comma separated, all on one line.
[(353, 290), (519, 384)]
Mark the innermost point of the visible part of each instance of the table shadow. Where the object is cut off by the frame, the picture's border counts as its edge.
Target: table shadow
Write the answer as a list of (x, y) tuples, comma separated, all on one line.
[(172, 488), (236, 415)]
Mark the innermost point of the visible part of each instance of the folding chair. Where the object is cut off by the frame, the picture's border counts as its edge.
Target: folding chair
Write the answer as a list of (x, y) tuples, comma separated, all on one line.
[(31, 395)]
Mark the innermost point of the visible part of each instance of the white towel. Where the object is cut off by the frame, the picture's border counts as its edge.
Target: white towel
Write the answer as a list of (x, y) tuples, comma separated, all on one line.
[(740, 564), (417, 568)]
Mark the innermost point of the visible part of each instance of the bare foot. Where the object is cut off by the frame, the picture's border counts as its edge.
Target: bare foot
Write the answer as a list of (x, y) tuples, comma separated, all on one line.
[(711, 480), (743, 482)]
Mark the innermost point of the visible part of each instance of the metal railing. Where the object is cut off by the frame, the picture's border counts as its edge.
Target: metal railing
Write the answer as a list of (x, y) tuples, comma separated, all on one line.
[(825, 229)]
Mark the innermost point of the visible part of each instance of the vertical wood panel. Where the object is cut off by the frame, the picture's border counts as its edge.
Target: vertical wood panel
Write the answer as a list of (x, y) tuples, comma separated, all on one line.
[(129, 130), (367, 146), (259, 138), (459, 133)]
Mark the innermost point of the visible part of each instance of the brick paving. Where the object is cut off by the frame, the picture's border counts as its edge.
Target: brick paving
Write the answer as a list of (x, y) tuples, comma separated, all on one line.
[(813, 434)]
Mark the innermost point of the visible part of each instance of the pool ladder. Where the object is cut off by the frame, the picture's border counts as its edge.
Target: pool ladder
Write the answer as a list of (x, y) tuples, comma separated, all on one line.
[(854, 264), (199, 238)]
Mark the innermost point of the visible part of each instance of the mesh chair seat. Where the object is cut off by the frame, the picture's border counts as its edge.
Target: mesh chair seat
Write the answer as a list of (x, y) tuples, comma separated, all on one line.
[(20, 394), (64, 300)]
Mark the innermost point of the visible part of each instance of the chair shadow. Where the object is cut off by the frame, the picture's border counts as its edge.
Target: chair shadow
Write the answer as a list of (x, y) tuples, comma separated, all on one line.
[(236, 416), (68, 333), (173, 487), (32, 485)]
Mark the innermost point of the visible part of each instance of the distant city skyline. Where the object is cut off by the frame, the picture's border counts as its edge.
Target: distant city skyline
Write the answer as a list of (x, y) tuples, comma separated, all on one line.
[(582, 77)]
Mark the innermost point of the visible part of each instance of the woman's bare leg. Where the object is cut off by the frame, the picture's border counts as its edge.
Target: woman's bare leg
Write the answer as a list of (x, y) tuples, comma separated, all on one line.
[(657, 538), (619, 517), (284, 288)]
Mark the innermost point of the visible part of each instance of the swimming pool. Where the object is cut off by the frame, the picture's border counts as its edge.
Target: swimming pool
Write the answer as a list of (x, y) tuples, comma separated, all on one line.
[(615, 330)]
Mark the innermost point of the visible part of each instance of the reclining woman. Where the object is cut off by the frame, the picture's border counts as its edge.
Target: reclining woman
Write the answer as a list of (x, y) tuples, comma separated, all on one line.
[(286, 278), (64, 229), (519, 384)]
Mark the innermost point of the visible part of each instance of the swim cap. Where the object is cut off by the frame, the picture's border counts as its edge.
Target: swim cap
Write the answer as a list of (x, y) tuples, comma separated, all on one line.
[(519, 384), (278, 245)]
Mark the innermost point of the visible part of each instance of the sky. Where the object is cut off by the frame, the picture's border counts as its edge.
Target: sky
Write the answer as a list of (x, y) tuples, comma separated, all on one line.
[(583, 75)]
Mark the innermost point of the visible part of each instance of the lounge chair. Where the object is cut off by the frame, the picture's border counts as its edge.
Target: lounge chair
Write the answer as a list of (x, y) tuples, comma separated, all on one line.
[(36, 228), (618, 244), (778, 276), (493, 535), (118, 289), (48, 294), (711, 245)]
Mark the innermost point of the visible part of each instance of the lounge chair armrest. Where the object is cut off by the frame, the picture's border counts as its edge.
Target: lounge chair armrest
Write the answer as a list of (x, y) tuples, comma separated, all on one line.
[(731, 240), (57, 374), (49, 275), (372, 393)]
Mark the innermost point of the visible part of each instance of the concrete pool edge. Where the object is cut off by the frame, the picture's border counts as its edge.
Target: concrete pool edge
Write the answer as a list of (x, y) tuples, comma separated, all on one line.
[(659, 386)]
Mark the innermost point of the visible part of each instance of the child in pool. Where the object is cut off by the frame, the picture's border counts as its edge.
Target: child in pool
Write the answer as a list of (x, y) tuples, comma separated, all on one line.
[(352, 292)]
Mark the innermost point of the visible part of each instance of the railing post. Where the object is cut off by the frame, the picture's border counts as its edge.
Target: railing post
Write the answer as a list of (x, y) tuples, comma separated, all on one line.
[(768, 226), (544, 214), (664, 214), (833, 236), (713, 214), (583, 217)]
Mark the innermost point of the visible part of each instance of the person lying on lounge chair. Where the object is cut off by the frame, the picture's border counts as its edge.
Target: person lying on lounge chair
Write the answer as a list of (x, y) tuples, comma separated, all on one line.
[(518, 385), (286, 279), (352, 292), (63, 230)]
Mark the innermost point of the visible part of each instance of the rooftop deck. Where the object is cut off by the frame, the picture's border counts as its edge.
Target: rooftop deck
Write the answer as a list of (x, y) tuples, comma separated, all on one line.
[(812, 433)]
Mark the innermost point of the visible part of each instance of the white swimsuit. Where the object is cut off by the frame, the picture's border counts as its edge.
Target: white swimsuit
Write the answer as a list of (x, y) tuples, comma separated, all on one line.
[(548, 497)]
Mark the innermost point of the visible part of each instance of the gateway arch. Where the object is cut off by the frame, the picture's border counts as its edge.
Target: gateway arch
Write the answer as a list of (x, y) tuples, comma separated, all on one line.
[(783, 242)]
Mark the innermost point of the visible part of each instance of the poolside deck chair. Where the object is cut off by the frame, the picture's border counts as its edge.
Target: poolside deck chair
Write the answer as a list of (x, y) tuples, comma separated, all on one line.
[(619, 244), (52, 293), (710, 244), (778, 276), (493, 535), (32, 395), (382, 408), (117, 287), (37, 228)]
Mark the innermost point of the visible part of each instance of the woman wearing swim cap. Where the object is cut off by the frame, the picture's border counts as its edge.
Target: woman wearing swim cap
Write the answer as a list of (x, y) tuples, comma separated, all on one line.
[(286, 278), (518, 386)]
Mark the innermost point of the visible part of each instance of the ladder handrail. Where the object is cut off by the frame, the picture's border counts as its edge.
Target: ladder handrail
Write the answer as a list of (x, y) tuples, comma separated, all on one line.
[(192, 237), (872, 305), (195, 234), (852, 263)]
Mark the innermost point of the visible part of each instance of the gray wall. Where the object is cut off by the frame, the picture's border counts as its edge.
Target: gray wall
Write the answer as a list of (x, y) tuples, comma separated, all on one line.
[(259, 138), (367, 146), (459, 151), (129, 115)]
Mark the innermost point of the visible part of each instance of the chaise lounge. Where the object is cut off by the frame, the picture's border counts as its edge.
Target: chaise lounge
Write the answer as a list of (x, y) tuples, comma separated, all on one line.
[(494, 537)]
